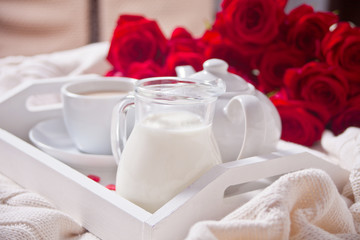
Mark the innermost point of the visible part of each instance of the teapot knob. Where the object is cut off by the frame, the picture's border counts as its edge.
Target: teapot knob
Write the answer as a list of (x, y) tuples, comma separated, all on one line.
[(216, 66)]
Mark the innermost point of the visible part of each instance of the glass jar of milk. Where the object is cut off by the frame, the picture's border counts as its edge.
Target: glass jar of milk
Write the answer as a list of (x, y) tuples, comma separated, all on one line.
[(171, 144)]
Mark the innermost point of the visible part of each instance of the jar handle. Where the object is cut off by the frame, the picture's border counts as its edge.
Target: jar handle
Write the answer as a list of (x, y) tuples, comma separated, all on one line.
[(119, 126)]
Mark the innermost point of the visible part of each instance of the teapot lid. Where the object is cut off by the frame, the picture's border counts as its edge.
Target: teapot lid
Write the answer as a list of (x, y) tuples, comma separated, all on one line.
[(217, 68)]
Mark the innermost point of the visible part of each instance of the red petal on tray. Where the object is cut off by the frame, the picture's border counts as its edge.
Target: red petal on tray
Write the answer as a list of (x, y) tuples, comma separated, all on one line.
[(111, 187), (94, 177)]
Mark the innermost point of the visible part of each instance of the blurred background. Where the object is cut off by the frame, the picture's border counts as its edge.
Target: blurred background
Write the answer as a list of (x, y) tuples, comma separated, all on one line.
[(30, 27)]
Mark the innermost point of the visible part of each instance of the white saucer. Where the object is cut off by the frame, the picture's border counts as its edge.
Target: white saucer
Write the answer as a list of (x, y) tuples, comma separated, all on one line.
[(52, 137)]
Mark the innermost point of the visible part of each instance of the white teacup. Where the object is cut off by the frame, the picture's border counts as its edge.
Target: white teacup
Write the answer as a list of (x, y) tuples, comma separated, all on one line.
[(87, 110)]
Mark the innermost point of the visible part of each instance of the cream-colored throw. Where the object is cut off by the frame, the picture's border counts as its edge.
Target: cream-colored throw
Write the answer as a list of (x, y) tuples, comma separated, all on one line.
[(345, 147), (300, 205), (25, 215)]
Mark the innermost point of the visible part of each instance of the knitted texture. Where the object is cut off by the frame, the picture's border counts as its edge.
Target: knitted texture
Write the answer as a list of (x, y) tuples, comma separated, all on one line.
[(300, 205), (27, 215)]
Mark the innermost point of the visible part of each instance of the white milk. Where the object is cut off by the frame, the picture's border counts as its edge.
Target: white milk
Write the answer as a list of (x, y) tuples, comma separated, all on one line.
[(164, 154)]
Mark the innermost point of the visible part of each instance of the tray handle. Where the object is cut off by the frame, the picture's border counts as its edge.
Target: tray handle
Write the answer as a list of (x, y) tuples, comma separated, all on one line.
[(16, 116), (228, 186)]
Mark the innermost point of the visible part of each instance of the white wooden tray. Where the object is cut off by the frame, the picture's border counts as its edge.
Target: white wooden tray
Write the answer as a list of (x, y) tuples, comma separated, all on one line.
[(218, 192), (221, 190)]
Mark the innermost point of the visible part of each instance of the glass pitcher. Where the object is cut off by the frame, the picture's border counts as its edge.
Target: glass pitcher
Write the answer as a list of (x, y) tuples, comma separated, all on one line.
[(171, 144)]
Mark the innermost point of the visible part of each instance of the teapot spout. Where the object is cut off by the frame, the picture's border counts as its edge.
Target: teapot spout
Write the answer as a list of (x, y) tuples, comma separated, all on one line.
[(184, 71)]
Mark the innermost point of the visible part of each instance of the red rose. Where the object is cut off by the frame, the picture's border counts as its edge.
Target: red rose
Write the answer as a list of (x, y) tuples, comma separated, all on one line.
[(250, 24), (181, 33), (307, 28), (182, 41), (183, 58), (227, 51), (318, 83), (273, 64), (136, 39), (218, 47), (349, 117), (341, 48), (299, 124), (145, 69), (183, 50)]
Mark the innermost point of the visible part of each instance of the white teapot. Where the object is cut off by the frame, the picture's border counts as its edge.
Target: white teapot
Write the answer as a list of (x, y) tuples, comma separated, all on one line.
[(246, 123)]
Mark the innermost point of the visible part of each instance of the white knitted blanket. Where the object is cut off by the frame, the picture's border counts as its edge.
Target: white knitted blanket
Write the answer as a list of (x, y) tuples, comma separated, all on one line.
[(300, 205), (27, 215)]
